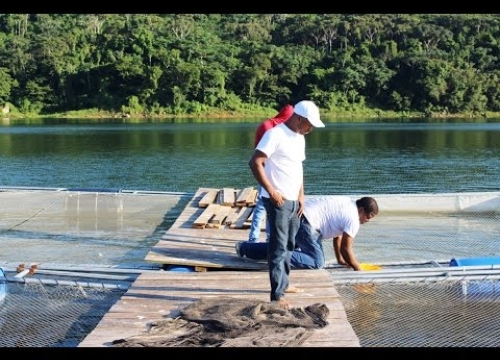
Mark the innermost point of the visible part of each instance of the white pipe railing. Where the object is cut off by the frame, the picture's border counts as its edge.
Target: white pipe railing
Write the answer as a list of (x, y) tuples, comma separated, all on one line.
[(53, 282)]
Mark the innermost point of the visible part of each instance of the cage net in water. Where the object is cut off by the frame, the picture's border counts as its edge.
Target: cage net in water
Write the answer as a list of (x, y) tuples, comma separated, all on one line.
[(75, 233), (415, 300), (424, 313), (36, 315)]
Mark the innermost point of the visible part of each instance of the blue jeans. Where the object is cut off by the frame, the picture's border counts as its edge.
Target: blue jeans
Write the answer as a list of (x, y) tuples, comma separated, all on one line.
[(309, 241), (308, 253), (258, 214), (283, 226)]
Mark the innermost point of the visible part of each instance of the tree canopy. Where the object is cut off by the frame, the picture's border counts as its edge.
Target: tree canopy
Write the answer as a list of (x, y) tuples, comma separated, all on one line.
[(189, 63)]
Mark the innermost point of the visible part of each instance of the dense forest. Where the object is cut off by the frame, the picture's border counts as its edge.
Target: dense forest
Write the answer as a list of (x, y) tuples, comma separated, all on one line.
[(193, 64)]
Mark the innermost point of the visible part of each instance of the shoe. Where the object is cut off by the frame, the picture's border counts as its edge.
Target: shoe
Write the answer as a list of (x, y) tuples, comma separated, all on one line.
[(237, 247)]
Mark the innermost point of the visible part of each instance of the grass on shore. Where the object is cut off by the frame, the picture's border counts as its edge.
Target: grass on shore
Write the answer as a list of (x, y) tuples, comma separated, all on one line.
[(252, 114)]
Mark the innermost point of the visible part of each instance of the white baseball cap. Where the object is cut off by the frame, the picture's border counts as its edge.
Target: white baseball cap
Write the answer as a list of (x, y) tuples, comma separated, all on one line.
[(310, 111)]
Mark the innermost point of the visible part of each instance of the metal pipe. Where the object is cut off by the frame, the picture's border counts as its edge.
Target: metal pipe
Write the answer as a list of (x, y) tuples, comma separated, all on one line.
[(420, 279), (53, 282), (32, 188), (144, 192), (10, 266), (333, 265), (472, 270), (158, 192), (83, 275)]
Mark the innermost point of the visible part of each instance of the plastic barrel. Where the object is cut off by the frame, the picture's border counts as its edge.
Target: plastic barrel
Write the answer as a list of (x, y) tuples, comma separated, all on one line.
[(492, 260), (179, 268)]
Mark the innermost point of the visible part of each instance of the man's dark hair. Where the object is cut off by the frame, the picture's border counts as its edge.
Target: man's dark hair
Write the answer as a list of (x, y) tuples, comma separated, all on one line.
[(369, 204)]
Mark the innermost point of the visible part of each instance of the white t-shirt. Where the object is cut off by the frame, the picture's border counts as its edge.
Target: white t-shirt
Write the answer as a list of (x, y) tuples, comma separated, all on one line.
[(285, 150), (332, 215)]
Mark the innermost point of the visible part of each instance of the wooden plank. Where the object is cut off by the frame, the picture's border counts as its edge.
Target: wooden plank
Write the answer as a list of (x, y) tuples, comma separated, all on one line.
[(233, 215), (206, 215), (223, 258), (238, 224), (209, 198), (241, 199), (228, 196), (221, 214), (252, 198), (210, 225)]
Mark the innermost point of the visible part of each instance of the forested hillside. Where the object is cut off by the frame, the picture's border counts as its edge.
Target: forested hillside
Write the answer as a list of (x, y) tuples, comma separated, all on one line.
[(189, 64)]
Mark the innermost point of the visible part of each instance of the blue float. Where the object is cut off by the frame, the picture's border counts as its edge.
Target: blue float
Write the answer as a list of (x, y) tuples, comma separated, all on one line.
[(3, 285), (479, 287), (492, 260), (179, 268)]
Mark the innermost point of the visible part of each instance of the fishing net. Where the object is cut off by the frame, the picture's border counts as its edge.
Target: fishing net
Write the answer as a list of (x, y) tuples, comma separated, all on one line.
[(34, 314), (230, 322)]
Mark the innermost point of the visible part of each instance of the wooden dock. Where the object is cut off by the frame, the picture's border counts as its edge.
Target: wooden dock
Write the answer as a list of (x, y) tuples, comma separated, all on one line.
[(204, 246), (220, 272)]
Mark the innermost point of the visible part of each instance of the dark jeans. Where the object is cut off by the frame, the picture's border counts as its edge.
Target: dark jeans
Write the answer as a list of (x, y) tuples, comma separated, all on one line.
[(309, 241), (283, 226), (308, 253)]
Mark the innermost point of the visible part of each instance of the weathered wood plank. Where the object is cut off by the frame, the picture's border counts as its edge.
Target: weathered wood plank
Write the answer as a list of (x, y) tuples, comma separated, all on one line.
[(221, 214), (228, 196), (252, 198), (215, 259), (210, 197), (238, 224), (205, 217), (243, 195), (233, 215)]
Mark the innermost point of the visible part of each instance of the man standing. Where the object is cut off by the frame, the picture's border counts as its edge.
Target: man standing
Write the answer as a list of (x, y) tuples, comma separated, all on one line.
[(277, 166), (259, 209), (330, 217)]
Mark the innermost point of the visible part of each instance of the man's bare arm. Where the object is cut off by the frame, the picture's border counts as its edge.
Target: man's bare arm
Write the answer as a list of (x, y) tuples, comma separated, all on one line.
[(256, 164), (336, 248), (348, 253)]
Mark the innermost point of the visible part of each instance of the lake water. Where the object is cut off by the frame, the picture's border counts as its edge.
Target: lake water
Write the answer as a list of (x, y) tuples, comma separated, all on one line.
[(342, 158)]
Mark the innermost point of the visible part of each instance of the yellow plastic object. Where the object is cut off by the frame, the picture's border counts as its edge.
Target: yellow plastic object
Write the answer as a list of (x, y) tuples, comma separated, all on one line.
[(369, 267)]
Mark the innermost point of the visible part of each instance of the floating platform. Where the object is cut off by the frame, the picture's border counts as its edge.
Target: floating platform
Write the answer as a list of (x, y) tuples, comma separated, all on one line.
[(157, 296), (210, 252)]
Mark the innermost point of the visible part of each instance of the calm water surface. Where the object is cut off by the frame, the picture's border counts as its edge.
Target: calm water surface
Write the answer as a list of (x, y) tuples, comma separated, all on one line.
[(343, 158)]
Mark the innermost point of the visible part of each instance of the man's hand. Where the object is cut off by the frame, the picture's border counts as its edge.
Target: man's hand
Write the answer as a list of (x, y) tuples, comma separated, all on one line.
[(277, 198), (301, 206)]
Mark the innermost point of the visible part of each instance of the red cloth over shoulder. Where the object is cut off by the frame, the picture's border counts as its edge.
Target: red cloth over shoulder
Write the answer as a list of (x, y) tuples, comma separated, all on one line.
[(282, 116)]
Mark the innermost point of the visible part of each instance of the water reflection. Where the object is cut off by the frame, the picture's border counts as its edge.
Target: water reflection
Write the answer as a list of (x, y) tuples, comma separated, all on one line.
[(343, 158)]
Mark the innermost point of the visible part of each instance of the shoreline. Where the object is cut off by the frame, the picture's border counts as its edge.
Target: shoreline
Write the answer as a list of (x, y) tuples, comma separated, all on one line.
[(256, 115)]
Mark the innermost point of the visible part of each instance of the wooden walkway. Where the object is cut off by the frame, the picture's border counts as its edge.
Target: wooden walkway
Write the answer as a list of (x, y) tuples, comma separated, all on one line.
[(209, 247), (220, 272)]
